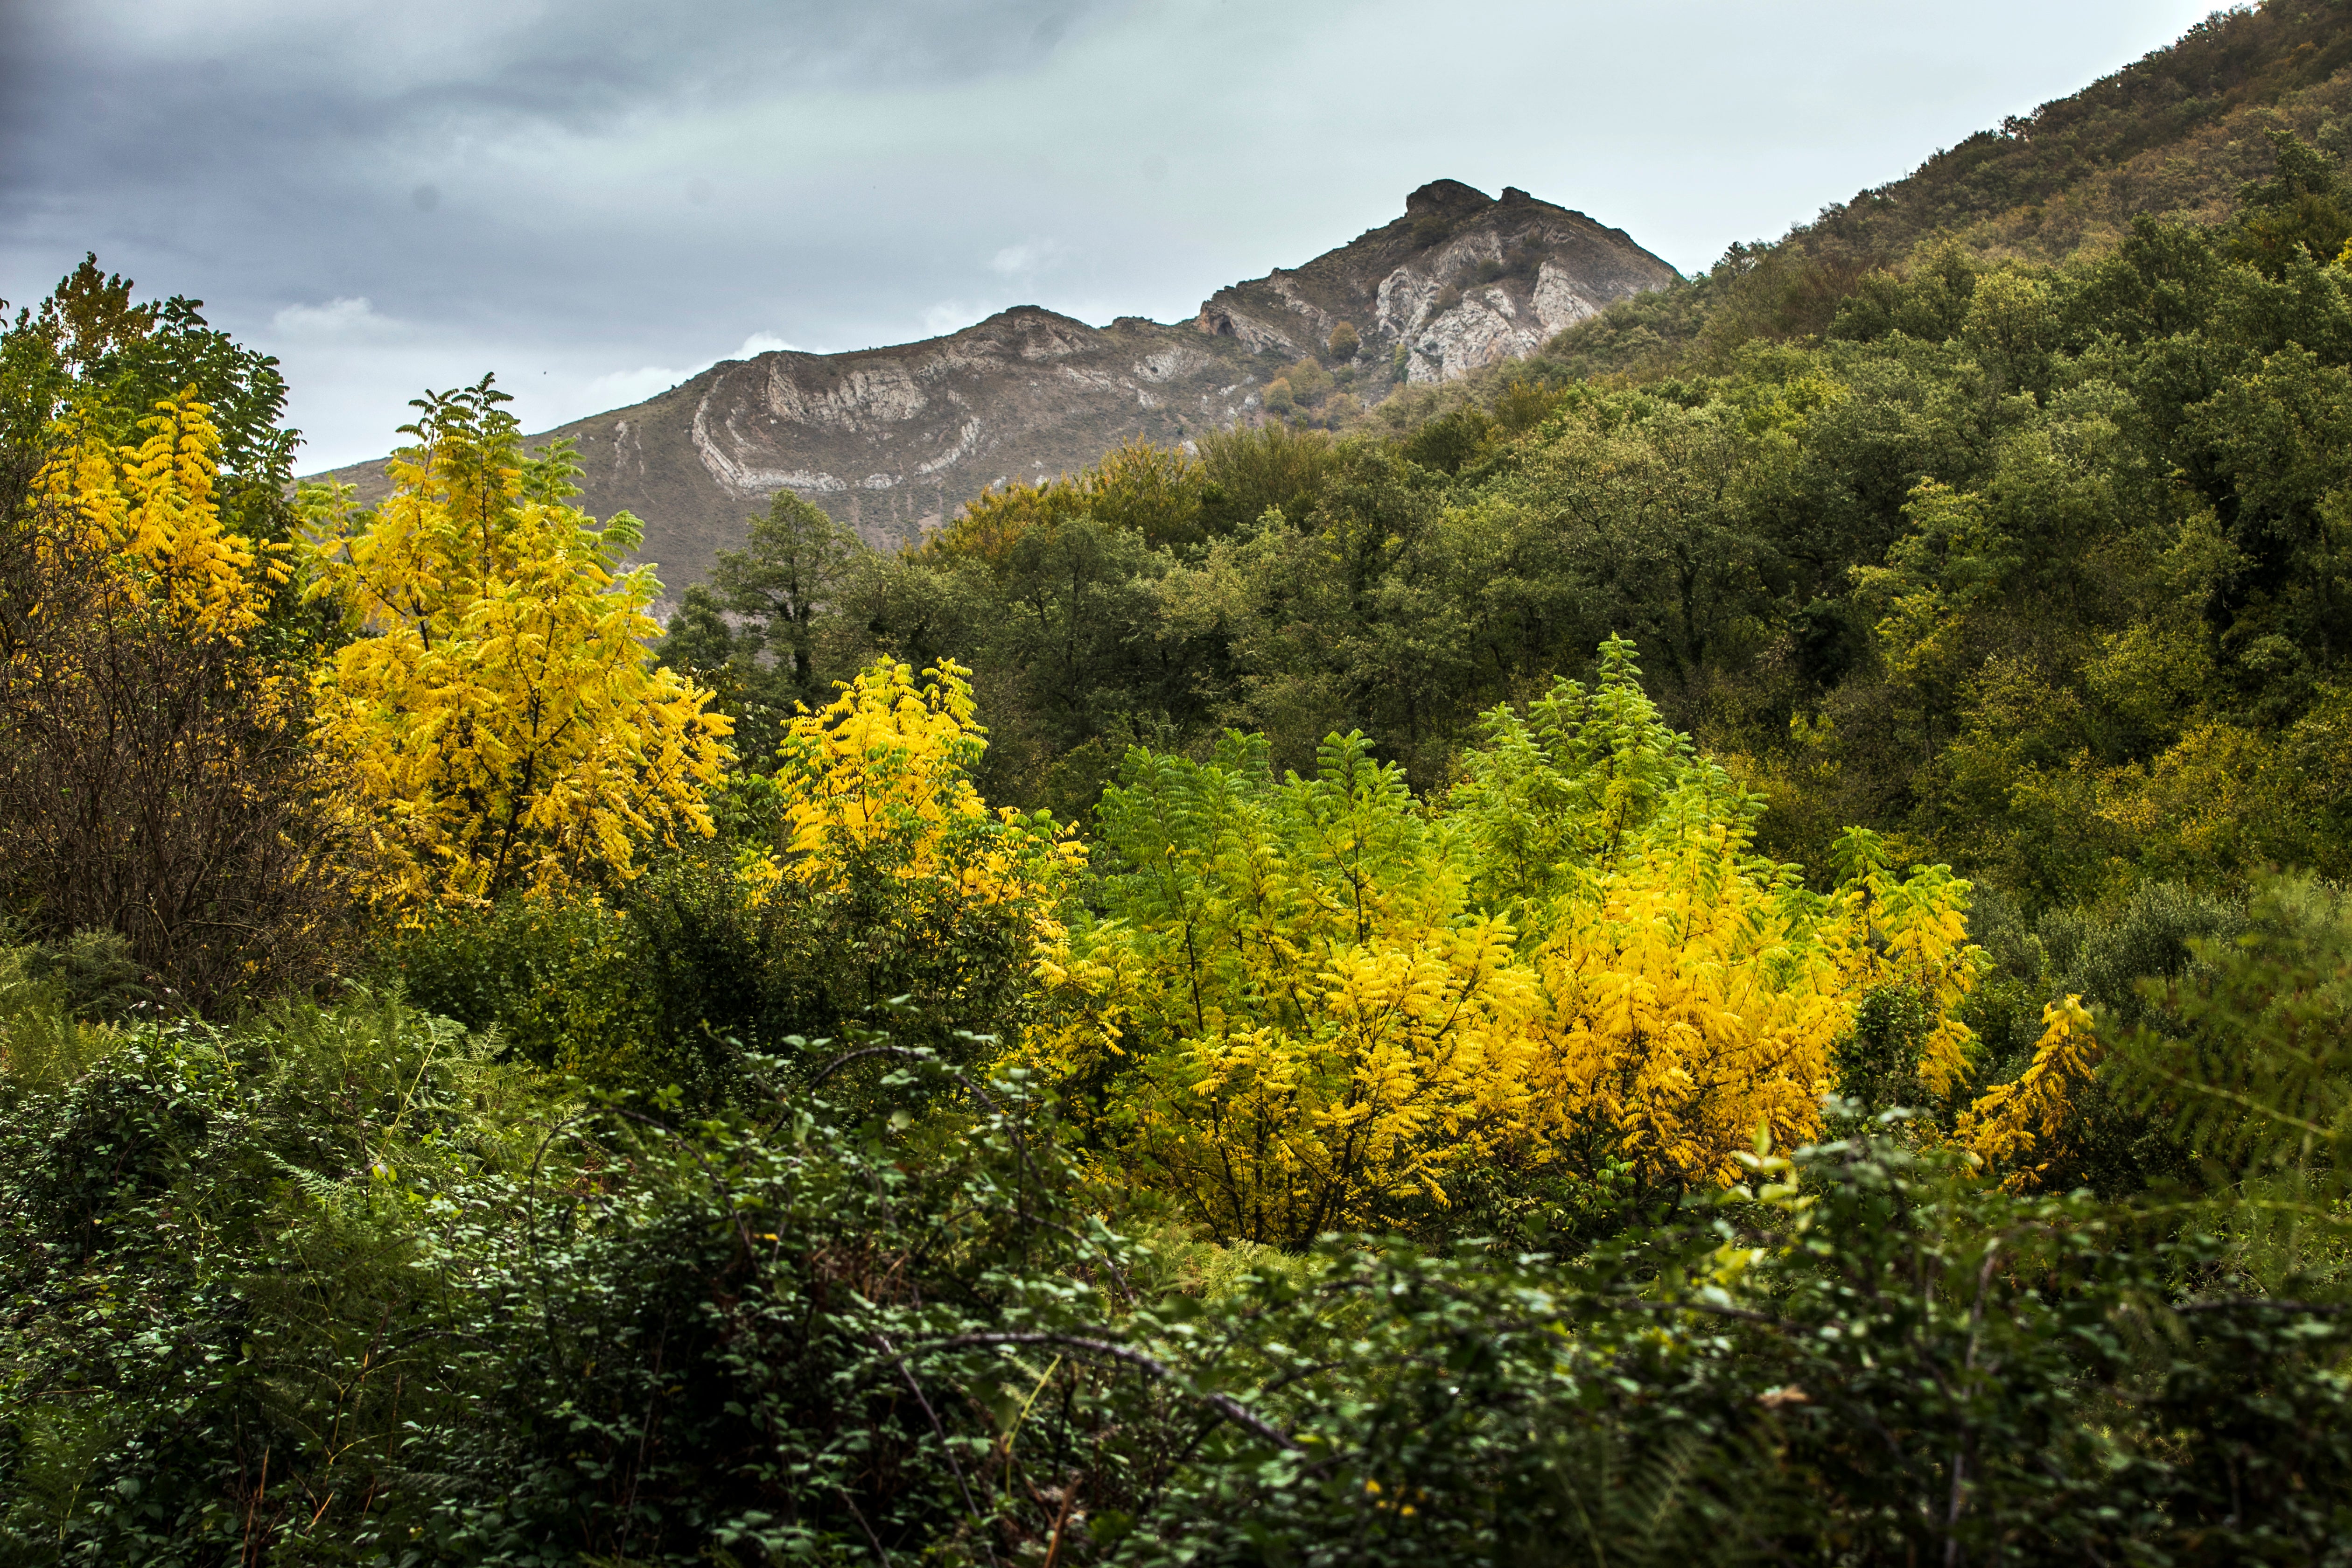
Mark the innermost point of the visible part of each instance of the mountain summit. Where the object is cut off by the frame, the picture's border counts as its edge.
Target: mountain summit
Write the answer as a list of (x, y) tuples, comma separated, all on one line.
[(892, 440), (1463, 280)]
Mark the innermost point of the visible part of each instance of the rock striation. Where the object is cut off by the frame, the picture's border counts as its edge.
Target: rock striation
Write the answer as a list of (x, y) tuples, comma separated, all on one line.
[(1461, 281), (892, 440)]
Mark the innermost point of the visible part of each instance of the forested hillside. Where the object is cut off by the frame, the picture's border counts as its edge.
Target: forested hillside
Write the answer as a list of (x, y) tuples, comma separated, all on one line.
[(2028, 566), (1726, 946), (2174, 135)]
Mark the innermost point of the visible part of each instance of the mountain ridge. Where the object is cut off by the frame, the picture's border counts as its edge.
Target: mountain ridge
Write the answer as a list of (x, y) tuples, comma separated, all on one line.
[(892, 440)]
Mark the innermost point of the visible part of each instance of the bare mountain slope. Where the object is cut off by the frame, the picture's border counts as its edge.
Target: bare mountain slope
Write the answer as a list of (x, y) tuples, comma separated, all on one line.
[(892, 440)]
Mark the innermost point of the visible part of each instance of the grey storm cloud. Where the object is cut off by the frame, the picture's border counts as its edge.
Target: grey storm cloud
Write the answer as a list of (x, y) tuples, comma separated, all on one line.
[(294, 127), (597, 198)]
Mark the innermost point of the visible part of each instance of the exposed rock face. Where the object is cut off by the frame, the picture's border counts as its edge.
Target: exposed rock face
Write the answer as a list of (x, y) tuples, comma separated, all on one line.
[(1461, 281), (893, 440)]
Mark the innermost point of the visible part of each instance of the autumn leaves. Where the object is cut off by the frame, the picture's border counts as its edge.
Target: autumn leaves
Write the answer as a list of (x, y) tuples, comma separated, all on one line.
[(495, 712), (1289, 1004), (1317, 1004)]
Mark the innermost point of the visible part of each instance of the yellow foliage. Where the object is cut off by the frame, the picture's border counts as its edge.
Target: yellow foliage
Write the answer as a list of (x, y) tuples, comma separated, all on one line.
[(1909, 932), (1688, 1007), (1406, 1060), (498, 715), (760, 873), (2013, 1122), (878, 802), (1313, 1001), (150, 509)]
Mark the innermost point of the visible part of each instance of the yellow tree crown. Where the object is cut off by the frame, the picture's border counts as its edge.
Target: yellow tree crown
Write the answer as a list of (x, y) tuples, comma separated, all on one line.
[(498, 710), (149, 509), (1315, 1003)]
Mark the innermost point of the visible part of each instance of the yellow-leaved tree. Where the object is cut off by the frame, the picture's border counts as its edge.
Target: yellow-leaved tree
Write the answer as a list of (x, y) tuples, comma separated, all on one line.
[(892, 876), (155, 781), (147, 509), (1317, 1004), (496, 712)]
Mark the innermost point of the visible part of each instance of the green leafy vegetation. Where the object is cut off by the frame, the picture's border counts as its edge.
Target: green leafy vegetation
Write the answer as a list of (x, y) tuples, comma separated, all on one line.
[(1727, 945)]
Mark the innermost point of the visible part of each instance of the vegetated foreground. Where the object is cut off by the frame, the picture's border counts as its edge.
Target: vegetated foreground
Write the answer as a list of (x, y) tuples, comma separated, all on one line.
[(1689, 968)]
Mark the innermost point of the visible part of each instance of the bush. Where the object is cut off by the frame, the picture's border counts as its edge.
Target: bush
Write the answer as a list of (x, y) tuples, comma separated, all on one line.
[(46, 1040), (559, 983), (288, 1213), (1310, 383), (96, 974), (391, 1303), (155, 780)]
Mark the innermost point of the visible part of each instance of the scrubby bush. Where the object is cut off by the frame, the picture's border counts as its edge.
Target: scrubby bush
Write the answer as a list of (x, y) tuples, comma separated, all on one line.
[(155, 776), (1310, 383), (393, 1303), (560, 983)]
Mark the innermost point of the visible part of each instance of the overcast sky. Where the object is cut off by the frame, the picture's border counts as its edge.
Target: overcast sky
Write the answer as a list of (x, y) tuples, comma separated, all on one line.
[(597, 198)]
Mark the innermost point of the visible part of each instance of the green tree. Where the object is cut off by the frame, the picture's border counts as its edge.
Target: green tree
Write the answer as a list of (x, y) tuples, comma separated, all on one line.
[(1251, 469), (2296, 214), (780, 582)]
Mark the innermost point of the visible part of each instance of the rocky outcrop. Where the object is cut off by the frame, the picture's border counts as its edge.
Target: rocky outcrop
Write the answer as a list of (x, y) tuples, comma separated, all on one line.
[(893, 440), (1461, 281)]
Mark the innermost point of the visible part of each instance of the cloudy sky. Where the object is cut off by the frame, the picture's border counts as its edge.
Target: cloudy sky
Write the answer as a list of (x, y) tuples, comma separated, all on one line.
[(598, 197)]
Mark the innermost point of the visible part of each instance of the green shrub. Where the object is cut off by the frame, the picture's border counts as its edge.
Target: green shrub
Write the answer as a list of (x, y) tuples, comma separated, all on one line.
[(336, 1288), (1310, 383), (45, 1041), (561, 982), (237, 1263), (99, 977)]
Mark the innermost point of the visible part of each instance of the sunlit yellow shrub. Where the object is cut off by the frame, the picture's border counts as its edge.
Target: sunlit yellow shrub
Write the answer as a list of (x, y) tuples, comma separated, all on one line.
[(886, 854), (1313, 1002), (878, 782), (2011, 1122)]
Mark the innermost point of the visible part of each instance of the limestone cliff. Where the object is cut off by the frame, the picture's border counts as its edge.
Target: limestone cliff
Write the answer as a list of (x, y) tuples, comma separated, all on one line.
[(893, 440), (1460, 281)]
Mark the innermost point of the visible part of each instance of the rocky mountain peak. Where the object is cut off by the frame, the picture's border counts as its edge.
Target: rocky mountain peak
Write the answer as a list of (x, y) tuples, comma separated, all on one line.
[(1459, 282), (1451, 198), (893, 440)]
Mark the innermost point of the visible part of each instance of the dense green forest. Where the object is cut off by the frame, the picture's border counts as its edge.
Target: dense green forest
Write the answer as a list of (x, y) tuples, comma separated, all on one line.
[(1726, 944)]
